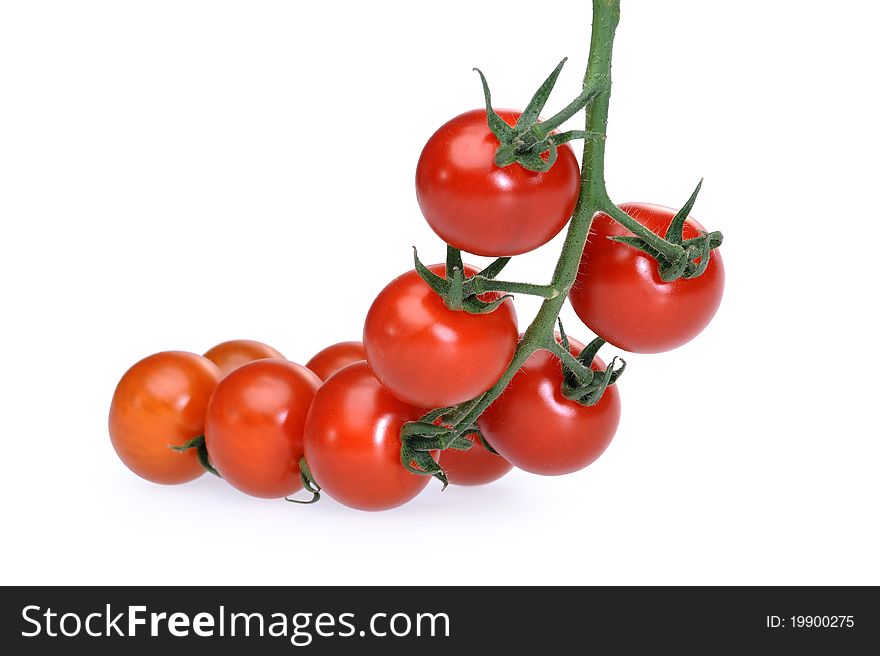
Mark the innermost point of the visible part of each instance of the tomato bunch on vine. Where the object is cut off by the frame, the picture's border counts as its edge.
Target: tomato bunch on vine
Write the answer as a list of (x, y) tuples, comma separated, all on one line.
[(444, 385)]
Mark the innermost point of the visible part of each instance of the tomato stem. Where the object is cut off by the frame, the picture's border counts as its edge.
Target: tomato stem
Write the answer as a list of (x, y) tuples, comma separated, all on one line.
[(593, 198), (668, 250), (309, 484), (591, 91), (481, 285), (538, 335), (581, 371), (198, 443)]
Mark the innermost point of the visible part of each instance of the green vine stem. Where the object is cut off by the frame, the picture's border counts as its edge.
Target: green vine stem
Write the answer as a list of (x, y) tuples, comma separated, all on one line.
[(593, 198), (544, 291)]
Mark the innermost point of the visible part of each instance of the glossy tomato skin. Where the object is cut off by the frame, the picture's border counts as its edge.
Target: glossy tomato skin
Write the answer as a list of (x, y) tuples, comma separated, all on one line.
[(619, 295), (430, 356), (328, 361), (352, 442), (162, 401), (229, 356), (537, 429), (254, 426), (476, 466), (480, 208)]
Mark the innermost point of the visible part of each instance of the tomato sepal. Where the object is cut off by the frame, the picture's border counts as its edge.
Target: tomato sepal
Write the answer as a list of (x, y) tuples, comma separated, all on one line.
[(483, 440), (463, 294), (425, 465), (580, 382), (529, 140), (675, 232), (430, 436), (198, 443), (432, 433), (530, 114), (676, 257), (498, 125), (461, 443), (590, 395), (309, 484)]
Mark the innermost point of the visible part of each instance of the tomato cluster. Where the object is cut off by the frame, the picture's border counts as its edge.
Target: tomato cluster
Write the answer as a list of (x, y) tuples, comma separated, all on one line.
[(269, 426)]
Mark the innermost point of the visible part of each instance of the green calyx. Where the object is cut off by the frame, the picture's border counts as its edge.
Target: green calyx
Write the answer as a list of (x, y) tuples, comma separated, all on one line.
[(198, 443), (677, 258), (531, 143), (580, 382), (462, 293), (434, 431)]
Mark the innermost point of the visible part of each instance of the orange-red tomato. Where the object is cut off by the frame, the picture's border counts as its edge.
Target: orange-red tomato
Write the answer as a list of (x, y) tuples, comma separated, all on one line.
[(431, 356), (160, 402), (328, 361), (539, 430), (476, 466), (478, 207), (254, 427), (620, 296), (230, 355), (352, 442)]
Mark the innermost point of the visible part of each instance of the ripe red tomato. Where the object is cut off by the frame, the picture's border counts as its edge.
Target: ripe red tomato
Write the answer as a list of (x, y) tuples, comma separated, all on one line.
[(161, 402), (352, 442), (254, 427), (478, 207), (431, 356), (539, 430), (619, 295), (230, 355), (476, 466), (336, 356)]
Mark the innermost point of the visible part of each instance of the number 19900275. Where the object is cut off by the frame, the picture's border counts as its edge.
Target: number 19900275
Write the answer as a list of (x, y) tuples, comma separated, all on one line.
[(811, 622)]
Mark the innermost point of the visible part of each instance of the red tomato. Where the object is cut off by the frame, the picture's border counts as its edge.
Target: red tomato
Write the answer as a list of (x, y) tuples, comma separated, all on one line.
[(476, 466), (478, 207), (161, 402), (539, 430), (336, 356), (254, 427), (230, 355), (431, 356), (352, 442), (619, 294)]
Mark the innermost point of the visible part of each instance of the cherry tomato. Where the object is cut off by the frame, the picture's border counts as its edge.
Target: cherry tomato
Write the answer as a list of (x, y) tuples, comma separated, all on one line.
[(230, 355), (352, 442), (476, 466), (619, 294), (254, 427), (539, 430), (431, 356), (478, 207), (161, 402), (336, 356)]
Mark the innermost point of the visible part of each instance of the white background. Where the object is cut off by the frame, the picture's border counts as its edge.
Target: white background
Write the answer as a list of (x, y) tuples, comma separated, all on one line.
[(174, 174)]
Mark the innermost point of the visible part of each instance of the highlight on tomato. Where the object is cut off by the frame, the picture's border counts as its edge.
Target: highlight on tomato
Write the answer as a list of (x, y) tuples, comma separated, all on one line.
[(352, 442), (328, 361), (478, 207), (620, 296), (254, 426), (161, 402), (229, 356), (537, 429), (430, 356)]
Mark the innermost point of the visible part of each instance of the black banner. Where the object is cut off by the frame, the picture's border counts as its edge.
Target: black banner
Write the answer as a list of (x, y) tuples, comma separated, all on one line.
[(434, 620)]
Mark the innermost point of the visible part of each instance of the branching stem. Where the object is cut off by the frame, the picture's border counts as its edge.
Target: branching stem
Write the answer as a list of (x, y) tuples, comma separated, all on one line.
[(593, 198), (544, 291)]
